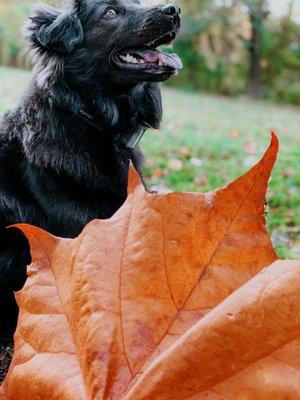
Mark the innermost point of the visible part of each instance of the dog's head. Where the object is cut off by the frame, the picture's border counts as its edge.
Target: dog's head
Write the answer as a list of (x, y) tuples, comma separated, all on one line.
[(108, 41)]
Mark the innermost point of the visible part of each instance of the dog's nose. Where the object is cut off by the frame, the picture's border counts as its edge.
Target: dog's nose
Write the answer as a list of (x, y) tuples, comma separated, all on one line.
[(171, 9)]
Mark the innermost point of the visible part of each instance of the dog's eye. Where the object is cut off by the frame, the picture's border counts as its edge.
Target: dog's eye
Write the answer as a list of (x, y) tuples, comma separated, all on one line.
[(110, 13)]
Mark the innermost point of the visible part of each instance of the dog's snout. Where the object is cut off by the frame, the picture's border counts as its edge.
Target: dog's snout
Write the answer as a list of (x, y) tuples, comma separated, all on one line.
[(171, 9)]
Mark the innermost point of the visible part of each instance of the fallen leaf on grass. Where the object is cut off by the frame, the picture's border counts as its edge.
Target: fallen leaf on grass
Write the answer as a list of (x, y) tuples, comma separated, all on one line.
[(197, 162), (234, 134), (157, 173), (164, 301), (201, 179), (175, 164), (250, 148), (185, 151)]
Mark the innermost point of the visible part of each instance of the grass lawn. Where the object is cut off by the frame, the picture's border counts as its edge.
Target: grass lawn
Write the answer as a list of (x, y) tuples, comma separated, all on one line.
[(206, 141)]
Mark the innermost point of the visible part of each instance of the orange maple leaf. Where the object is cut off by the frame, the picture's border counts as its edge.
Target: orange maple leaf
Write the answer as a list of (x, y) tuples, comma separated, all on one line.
[(177, 296)]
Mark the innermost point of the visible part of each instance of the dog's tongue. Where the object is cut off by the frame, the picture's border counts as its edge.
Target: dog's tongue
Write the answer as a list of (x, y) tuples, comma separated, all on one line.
[(154, 56)]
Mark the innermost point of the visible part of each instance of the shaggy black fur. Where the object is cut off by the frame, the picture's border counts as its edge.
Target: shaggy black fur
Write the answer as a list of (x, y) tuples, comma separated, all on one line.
[(57, 171)]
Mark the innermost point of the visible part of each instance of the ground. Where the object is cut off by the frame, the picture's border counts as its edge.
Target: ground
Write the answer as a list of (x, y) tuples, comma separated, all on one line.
[(206, 141)]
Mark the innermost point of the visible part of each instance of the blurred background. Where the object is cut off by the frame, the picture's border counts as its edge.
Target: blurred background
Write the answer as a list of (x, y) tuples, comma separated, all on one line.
[(241, 78)]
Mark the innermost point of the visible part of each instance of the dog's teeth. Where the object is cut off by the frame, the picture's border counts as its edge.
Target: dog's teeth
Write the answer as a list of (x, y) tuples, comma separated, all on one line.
[(160, 63), (124, 58), (129, 58), (132, 60)]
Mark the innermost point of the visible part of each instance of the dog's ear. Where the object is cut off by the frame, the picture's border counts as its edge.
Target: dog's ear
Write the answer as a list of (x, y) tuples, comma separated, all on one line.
[(54, 29)]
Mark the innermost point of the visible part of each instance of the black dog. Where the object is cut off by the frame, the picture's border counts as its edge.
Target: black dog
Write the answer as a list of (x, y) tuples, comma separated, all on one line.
[(65, 150)]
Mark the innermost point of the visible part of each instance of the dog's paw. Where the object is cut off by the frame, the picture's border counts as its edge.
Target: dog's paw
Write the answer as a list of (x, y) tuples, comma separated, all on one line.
[(6, 353), (6, 341)]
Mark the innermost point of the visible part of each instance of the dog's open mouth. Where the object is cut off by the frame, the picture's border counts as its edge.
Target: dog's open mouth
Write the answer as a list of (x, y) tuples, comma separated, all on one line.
[(148, 58)]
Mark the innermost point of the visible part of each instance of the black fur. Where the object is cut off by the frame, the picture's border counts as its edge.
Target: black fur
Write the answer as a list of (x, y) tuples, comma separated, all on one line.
[(56, 170)]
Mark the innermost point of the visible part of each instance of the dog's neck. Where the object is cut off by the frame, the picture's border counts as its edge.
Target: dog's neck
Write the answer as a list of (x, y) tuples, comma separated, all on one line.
[(86, 147), (106, 104)]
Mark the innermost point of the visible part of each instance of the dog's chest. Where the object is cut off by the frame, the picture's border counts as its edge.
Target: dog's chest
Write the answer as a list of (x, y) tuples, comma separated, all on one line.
[(74, 185), (76, 173)]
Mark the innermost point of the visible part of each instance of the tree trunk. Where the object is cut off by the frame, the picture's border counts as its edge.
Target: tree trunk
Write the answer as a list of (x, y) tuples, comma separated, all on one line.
[(257, 15), (254, 80)]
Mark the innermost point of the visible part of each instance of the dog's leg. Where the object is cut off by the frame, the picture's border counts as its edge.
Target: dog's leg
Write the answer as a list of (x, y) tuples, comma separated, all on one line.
[(14, 258), (8, 316)]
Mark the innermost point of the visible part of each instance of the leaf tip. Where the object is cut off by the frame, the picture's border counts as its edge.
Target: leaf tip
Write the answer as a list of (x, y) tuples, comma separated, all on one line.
[(134, 179), (37, 238), (31, 230), (269, 158), (274, 140)]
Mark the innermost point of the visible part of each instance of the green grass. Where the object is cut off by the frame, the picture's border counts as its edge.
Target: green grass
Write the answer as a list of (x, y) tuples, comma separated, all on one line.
[(12, 84), (206, 141)]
